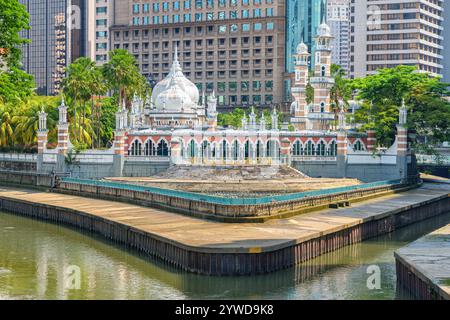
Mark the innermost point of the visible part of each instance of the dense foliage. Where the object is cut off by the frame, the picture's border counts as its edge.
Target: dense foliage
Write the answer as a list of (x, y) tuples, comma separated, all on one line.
[(381, 95), (15, 84)]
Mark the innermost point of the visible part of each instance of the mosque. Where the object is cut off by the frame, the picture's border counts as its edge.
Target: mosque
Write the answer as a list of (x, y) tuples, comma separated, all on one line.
[(177, 121), (179, 127)]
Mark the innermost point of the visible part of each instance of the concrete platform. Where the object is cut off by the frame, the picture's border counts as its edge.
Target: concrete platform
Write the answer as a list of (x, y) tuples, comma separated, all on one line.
[(423, 267), (204, 235)]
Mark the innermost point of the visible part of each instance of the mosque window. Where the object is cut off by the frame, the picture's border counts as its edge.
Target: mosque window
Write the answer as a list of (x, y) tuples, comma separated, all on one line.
[(321, 148), (358, 146), (332, 151), (322, 106), (323, 71), (136, 148), (163, 149), (149, 149)]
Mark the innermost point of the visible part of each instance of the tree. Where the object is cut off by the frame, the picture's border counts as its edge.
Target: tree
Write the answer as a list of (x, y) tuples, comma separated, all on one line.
[(13, 19), (340, 92), (6, 127), (123, 75), (15, 84), (382, 94), (26, 120), (78, 85)]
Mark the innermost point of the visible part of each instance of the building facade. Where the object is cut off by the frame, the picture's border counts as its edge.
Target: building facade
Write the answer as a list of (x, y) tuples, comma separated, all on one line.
[(58, 36), (100, 15), (338, 18), (234, 48), (385, 34), (446, 41)]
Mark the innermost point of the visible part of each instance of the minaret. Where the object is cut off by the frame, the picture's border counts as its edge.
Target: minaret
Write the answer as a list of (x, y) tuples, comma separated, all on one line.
[(63, 129), (119, 140), (402, 131), (244, 122), (274, 119), (299, 108), (322, 82), (402, 144), (42, 133), (253, 119), (212, 111)]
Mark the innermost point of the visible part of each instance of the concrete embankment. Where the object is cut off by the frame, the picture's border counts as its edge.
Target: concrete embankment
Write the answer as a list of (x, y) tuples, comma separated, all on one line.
[(423, 267), (214, 248)]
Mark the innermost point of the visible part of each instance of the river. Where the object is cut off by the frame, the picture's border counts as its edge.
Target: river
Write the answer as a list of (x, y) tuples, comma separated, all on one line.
[(36, 257)]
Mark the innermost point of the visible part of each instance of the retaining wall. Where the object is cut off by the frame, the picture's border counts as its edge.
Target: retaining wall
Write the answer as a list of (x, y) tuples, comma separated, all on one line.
[(216, 263), (229, 213)]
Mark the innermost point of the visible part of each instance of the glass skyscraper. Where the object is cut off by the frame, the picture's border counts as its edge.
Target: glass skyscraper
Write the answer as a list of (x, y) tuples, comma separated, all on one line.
[(302, 19), (53, 46)]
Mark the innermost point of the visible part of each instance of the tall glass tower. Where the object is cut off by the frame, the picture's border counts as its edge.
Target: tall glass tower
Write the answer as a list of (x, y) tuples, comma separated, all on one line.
[(53, 44), (302, 19)]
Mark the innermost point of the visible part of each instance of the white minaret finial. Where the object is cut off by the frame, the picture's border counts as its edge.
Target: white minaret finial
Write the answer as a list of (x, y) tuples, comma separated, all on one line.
[(274, 119), (175, 55), (42, 120), (403, 115)]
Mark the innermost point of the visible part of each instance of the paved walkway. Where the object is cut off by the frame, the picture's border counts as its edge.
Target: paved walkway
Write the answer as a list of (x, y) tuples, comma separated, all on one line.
[(430, 256), (208, 236)]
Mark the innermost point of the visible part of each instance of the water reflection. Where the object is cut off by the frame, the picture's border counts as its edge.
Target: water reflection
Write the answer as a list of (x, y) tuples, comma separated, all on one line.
[(34, 256)]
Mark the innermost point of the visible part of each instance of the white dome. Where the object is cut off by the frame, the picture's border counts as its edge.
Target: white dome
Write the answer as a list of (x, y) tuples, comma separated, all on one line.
[(302, 48), (173, 99), (323, 30), (176, 77)]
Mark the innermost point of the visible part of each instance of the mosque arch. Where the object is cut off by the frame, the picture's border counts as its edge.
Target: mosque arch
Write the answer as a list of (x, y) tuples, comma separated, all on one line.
[(358, 146), (162, 150), (136, 148), (149, 148)]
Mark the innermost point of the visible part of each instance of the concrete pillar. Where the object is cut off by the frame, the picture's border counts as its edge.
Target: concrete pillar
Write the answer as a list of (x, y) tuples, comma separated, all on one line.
[(402, 152), (175, 154), (285, 151), (42, 136), (119, 152), (342, 153), (371, 140)]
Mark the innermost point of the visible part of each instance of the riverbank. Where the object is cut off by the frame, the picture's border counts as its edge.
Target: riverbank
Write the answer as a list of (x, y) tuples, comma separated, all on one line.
[(34, 255), (215, 248), (423, 267)]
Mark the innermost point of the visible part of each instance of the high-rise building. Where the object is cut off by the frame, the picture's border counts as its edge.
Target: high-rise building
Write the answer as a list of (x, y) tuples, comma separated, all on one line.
[(100, 18), (338, 18), (58, 36), (303, 18), (385, 34), (233, 47), (446, 34)]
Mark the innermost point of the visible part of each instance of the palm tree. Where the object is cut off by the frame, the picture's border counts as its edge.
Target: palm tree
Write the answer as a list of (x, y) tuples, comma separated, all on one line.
[(122, 74), (77, 86), (26, 119), (340, 92), (97, 87), (6, 128)]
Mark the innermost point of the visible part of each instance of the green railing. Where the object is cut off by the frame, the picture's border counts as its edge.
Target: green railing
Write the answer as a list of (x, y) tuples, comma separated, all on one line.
[(229, 201)]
